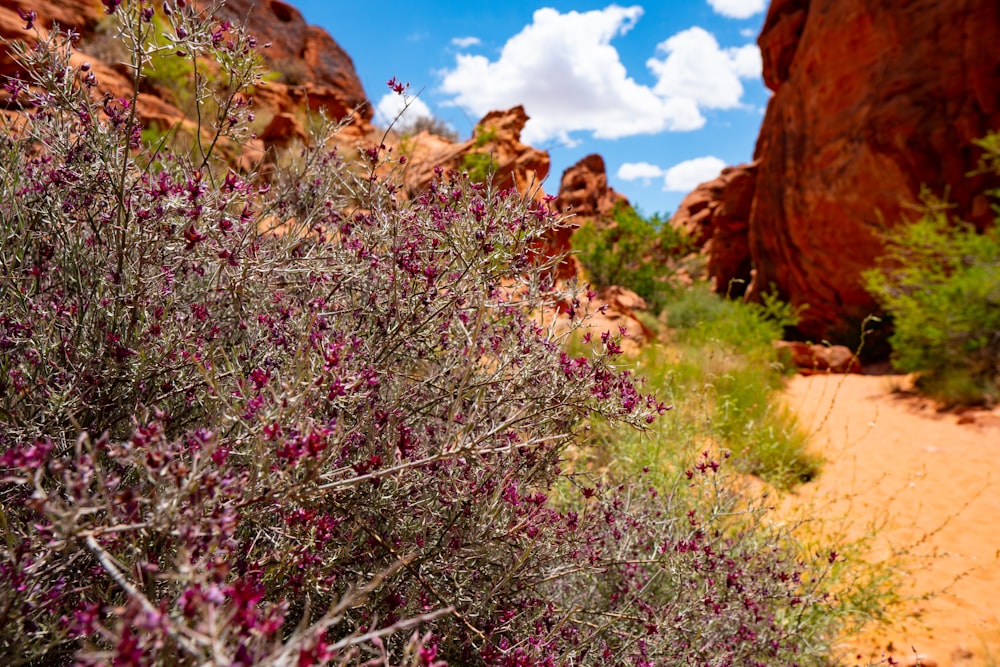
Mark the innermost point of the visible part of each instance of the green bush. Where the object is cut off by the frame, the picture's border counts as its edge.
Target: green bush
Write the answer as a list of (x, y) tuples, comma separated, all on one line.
[(720, 375), (726, 375), (485, 136), (940, 282), (479, 166), (631, 252)]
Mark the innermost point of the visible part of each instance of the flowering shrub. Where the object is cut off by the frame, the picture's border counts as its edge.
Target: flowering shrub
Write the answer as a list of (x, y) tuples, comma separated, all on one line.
[(306, 421)]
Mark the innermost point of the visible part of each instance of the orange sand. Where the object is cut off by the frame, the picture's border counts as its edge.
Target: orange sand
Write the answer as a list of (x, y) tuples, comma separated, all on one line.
[(935, 483)]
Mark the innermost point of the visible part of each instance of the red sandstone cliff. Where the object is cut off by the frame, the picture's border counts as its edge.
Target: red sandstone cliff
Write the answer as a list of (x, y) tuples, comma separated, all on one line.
[(584, 189), (497, 138), (872, 100), (716, 216), (312, 67)]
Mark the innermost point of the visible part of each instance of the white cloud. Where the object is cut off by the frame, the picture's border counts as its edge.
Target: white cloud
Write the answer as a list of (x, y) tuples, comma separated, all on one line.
[(748, 33), (737, 9), (570, 79), (634, 171), (696, 68), (568, 76), (465, 42), (391, 105), (687, 175)]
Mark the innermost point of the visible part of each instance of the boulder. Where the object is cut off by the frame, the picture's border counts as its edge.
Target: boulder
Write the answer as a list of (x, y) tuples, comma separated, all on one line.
[(622, 299), (283, 129), (810, 359), (613, 312), (873, 100), (584, 190)]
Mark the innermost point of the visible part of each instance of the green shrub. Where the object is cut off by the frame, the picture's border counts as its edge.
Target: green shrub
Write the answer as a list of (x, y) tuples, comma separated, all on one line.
[(940, 282), (485, 136), (726, 374), (630, 252), (479, 166), (720, 376)]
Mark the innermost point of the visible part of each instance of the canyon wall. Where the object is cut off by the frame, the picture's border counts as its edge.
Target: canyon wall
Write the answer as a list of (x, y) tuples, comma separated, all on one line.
[(873, 100)]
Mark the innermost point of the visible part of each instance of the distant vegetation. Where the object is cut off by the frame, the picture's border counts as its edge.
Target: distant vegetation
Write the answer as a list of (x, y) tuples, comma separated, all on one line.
[(633, 251), (719, 364), (432, 125), (940, 282)]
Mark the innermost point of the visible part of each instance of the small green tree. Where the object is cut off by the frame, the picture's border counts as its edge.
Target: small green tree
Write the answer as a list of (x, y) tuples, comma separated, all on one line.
[(940, 282), (630, 253)]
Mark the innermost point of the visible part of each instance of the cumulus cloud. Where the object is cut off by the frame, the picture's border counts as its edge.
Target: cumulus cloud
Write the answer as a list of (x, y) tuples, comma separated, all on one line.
[(682, 177), (391, 105), (564, 70), (634, 171), (695, 67), (737, 9), (465, 42), (687, 175)]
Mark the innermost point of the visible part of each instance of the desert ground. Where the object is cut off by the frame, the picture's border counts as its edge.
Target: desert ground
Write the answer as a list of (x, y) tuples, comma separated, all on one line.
[(928, 483)]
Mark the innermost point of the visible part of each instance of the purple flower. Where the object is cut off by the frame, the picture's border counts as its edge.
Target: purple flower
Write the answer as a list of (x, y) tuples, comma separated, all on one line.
[(29, 17)]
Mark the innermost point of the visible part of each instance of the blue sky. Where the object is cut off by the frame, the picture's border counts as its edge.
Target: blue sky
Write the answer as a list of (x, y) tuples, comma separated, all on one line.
[(666, 91)]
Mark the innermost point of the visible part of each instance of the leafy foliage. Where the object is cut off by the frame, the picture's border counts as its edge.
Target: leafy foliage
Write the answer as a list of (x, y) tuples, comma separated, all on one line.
[(630, 252), (303, 421), (479, 166), (940, 281)]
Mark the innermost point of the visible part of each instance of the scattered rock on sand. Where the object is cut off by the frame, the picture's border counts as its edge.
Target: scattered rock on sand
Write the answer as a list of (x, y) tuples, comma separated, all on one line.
[(812, 358)]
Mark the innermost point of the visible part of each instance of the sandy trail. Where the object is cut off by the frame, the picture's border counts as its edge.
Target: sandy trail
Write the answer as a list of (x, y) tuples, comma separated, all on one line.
[(935, 483)]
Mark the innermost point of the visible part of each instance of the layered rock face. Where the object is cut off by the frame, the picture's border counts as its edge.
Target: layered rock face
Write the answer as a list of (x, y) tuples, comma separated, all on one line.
[(584, 194), (584, 189), (497, 138), (873, 99), (314, 70), (716, 216)]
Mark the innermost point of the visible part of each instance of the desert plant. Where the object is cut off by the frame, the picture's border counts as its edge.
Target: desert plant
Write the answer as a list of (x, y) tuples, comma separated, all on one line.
[(479, 166), (484, 135), (724, 375), (310, 422), (940, 282), (630, 250)]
